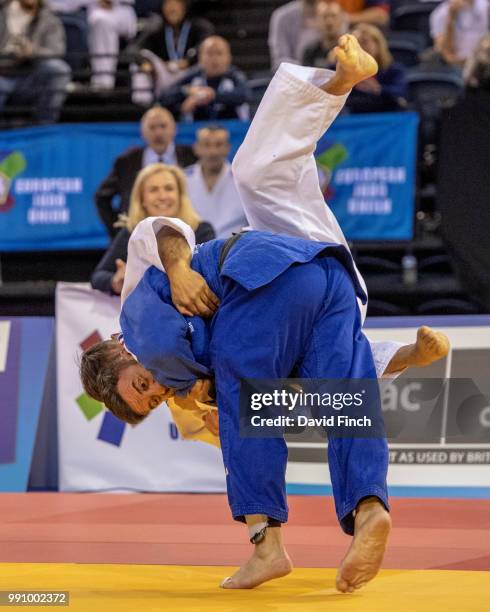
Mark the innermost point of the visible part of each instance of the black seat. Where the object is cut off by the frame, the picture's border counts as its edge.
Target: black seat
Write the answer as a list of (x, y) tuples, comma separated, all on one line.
[(405, 52), (429, 92), (435, 263), (447, 306), (379, 308), (376, 265), (76, 32), (414, 17)]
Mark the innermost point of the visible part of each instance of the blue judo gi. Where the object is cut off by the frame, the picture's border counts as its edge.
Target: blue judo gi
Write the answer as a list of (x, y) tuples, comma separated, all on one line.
[(285, 304)]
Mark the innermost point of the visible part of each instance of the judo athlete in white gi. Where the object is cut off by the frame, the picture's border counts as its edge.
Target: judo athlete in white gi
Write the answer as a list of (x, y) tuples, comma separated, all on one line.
[(273, 318)]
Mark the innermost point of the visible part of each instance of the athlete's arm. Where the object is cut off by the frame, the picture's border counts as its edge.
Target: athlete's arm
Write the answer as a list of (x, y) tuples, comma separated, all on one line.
[(190, 292)]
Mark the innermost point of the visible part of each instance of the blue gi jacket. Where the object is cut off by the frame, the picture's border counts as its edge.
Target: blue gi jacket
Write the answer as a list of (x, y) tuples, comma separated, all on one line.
[(174, 348)]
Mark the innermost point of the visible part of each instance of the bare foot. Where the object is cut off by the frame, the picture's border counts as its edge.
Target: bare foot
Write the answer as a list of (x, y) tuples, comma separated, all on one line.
[(269, 560), (353, 66), (429, 347), (364, 557)]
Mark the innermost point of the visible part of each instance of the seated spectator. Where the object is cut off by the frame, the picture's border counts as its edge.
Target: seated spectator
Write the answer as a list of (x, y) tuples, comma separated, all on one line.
[(159, 190), (30, 39), (108, 21), (332, 23), (477, 68), (158, 132), (212, 90), (210, 182), (385, 91), (291, 30), (167, 47), (456, 27), (375, 12)]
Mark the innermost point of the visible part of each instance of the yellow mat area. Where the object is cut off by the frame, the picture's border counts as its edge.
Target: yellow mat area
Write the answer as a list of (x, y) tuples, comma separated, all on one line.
[(145, 588)]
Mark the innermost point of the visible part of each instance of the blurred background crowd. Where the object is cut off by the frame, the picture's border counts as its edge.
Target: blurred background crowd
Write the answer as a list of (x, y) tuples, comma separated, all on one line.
[(165, 61)]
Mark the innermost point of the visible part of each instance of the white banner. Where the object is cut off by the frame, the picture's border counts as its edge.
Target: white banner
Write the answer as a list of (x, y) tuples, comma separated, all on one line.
[(443, 461), (96, 451)]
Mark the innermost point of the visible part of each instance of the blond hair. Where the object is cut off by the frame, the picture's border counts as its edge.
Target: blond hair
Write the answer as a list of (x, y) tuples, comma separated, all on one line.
[(137, 213), (384, 58)]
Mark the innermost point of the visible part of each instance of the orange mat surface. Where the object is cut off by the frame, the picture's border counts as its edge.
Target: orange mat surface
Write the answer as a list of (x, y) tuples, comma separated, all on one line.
[(197, 530)]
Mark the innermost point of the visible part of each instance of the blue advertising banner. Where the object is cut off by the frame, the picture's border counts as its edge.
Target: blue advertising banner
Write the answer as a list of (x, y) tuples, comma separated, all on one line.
[(367, 171), (24, 348), (48, 177)]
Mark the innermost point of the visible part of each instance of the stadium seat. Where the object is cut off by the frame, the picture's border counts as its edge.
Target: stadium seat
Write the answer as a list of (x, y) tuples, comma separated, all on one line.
[(376, 265), (435, 263), (144, 8), (379, 308), (76, 32), (447, 306), (405, 52), (417, 39), (428, 93), (414, 17)]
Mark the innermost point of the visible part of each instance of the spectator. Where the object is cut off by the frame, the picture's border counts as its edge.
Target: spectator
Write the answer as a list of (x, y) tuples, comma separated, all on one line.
[(158, 132), (159, 190), (332, 23), (213, 90), (168, 46), (477, 69), (456, 27), (32, 40), (385, 91), (210, 182), (108, 21), (375, 12), (291, 30)]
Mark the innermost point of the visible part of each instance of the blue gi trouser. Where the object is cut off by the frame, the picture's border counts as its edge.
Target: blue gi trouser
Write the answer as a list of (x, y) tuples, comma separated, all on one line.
[(306, 319)]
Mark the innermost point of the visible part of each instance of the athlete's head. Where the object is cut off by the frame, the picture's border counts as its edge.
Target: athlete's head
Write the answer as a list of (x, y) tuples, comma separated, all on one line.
[(111, 375)]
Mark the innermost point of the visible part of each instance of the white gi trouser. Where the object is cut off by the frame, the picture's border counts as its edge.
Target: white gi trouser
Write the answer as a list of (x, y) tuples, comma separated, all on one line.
[(275, 169), (276, 176)]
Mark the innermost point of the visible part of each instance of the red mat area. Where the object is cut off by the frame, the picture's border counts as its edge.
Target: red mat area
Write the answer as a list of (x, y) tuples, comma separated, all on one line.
[(197, 530)]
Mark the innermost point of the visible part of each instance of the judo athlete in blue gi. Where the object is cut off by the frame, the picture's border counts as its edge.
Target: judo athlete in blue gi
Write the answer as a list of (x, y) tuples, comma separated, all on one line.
[(286, 304)]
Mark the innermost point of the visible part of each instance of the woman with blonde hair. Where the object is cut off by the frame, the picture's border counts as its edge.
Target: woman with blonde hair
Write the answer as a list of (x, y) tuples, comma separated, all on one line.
[(158, 190), (386, 90)]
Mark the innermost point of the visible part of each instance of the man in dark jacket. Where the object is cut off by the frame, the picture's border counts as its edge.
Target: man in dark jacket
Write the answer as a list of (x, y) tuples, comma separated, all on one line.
[(212, 90), (158, 132), (32, 42)]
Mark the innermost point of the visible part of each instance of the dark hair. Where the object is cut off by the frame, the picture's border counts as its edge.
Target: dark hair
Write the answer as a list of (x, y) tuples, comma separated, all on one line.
[(213, 128), (100, 367)]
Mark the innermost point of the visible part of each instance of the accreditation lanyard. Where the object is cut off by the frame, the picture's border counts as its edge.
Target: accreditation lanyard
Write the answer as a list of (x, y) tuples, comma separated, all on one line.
[(177, 51)]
